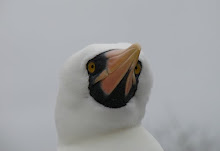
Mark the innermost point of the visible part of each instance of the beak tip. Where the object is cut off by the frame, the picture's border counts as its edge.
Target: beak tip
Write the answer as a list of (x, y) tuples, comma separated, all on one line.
[(137, 46)]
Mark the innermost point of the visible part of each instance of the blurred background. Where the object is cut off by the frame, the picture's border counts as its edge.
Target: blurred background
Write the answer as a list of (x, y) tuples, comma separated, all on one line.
[(181, 40)]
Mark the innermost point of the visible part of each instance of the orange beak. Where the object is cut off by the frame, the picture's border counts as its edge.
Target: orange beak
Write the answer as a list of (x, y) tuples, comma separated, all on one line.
[(119, 63)]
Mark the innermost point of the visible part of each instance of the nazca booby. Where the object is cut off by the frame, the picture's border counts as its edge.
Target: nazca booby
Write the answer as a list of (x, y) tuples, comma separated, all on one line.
[(101, 101)]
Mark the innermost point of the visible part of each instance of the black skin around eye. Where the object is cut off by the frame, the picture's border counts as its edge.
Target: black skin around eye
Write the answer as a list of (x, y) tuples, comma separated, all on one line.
[(100, 64), (139, 62)]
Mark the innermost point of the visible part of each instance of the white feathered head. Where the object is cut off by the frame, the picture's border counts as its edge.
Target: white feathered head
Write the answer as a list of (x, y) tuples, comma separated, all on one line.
[(103, 88)]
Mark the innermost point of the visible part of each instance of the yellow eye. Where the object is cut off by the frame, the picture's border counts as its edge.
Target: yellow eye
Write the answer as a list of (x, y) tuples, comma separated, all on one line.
[(91, 67), (137, 69)]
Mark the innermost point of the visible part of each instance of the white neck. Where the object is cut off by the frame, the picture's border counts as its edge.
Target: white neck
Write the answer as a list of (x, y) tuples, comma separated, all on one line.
[(130, 139)]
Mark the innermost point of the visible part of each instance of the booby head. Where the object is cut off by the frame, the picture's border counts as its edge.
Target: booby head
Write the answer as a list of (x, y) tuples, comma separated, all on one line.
[(103, 88)]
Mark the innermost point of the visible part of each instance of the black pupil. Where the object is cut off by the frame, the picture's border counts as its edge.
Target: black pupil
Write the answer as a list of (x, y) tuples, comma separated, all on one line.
[(136, 67), (92, 66)]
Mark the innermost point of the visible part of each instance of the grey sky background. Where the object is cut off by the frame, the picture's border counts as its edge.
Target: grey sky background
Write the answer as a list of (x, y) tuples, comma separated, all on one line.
[(181, 40)]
